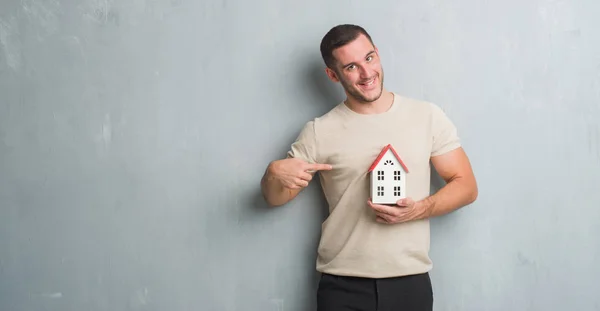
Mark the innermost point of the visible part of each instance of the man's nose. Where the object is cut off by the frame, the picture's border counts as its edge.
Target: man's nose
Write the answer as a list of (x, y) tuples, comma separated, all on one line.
[(365, 72)]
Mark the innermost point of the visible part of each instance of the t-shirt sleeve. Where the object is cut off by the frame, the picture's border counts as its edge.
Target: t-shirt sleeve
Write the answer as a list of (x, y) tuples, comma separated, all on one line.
[(305, 146), (445, 135)]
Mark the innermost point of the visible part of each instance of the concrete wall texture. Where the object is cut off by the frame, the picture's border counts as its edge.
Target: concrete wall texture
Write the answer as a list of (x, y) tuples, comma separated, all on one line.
[(133, 135)]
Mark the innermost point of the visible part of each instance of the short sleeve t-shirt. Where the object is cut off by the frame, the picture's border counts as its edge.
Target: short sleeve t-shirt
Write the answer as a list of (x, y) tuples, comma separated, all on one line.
[(352, 242)]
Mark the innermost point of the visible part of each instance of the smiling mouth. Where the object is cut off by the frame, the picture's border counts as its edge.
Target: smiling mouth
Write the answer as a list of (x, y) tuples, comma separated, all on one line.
[(369, 82)]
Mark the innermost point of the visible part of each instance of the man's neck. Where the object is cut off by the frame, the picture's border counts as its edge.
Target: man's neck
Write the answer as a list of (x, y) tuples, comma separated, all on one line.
[(381, 105)]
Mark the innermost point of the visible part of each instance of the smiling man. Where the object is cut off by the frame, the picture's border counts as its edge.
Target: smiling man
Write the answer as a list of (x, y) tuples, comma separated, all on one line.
[(371, 256)]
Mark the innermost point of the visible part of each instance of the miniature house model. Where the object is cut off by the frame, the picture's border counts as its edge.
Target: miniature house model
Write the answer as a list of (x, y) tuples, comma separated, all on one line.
[(388, 177)]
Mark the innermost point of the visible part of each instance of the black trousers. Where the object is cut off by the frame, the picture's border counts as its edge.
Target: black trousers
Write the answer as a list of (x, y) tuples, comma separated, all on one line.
[(407, 293)]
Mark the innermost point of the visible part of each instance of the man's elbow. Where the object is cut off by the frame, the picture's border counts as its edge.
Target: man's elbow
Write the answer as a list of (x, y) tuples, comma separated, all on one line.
[(272, 203), (268, 198), (473, 196), (276, 202), (473, 192), (272, 197)]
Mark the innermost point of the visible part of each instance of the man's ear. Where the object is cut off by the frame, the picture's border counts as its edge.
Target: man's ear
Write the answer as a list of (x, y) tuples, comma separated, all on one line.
[(331, 74)]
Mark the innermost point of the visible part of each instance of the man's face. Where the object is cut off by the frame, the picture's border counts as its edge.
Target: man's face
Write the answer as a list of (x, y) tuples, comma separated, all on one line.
[(359, 70)]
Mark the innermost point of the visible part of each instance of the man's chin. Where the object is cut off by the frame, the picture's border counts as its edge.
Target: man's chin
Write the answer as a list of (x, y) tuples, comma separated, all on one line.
[(370, 96)]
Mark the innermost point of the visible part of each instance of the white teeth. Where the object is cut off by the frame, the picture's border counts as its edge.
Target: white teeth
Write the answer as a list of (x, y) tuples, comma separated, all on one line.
[(368, 83)]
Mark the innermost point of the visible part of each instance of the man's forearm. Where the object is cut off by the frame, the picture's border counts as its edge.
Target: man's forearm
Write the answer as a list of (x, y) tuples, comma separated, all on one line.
[(273, 192), (457, 193)]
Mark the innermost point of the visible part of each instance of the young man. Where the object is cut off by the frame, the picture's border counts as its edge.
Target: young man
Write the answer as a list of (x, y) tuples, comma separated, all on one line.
[(372, 256)]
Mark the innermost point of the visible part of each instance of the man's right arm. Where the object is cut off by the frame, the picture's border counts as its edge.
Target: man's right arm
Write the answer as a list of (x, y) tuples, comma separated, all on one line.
[(284, 179), (273, 191)]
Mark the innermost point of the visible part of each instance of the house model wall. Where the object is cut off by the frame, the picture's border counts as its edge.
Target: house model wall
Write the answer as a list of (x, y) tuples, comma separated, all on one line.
[(388, 177)]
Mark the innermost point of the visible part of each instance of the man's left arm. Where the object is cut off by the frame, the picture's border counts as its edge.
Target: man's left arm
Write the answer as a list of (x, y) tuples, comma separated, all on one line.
[(460, 188), (452, 164)]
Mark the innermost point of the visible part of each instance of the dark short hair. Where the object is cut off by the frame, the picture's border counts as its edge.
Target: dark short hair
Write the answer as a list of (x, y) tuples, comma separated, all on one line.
[(339, 36)]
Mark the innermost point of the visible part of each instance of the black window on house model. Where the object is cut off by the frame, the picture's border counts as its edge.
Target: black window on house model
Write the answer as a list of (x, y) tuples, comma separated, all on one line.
[(379, 175), (388, 162), (379, 191), (397, 191), (396, 175)]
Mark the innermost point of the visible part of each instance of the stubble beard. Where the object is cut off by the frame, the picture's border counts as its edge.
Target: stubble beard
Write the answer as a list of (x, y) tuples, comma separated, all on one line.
[(356, 95)]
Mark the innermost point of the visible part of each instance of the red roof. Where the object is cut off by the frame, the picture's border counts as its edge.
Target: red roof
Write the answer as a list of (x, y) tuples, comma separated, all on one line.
[(383, 151)]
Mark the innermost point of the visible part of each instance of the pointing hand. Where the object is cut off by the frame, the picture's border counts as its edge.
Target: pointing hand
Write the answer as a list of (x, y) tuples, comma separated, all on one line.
[(295, 173)]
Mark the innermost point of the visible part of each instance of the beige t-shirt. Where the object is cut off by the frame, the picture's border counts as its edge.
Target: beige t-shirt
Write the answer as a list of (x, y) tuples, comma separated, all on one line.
[(352, 242)]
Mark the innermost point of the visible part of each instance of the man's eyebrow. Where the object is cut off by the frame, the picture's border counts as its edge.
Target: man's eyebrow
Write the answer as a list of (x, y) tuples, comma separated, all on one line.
[(346, 65)]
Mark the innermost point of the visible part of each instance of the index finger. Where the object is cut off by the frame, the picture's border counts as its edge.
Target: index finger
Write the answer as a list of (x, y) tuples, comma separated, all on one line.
[(318, 167)]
